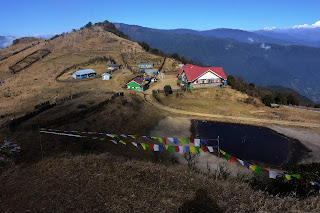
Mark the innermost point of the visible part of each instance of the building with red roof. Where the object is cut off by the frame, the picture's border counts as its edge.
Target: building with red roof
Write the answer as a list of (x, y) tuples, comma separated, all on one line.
[(201, 76)]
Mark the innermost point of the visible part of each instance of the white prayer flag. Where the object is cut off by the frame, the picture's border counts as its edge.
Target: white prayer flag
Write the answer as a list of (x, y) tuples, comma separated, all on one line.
[(196, 142), (272, 174), (181, 149), (170, 139), (210, 148), (240, 161), (135, 144), (115, 142), (156, 148)]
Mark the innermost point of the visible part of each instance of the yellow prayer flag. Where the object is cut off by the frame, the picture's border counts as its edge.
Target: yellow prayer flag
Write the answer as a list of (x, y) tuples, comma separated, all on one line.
[(121, 141), (166, 147), (253, 167), (222, 152), (288, 177), (192, 149), (143, 146)]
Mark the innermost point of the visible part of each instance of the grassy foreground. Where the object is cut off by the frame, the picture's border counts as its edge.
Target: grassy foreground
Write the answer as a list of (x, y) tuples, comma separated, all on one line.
[(105, 183)]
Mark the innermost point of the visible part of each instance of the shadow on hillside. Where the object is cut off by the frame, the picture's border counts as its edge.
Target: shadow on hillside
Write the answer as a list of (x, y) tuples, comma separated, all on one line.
[(201, 203)]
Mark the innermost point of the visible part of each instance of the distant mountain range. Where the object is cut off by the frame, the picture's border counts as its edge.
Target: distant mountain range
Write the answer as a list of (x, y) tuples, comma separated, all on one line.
[(6, 41), (302, 36), (258, 58)]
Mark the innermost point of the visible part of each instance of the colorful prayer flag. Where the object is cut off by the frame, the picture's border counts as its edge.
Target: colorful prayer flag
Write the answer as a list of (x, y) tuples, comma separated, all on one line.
[(187, 149), (222, 152), (252, 167), (227, 156), (233, 159), (181, 149), (160, 139), (156, 148), (258, 170), (192, 149), (204, 148), (272, 174), (170, 149), (135, 144), (176, 148), (288, 177), (204, 141), (247, 165), (210, 148)]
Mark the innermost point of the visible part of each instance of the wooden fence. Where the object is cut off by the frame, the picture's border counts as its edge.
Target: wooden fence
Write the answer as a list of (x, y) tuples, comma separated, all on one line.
[(15, 124)]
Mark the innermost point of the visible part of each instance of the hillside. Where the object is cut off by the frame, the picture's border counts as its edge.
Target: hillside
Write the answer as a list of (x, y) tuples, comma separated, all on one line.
[(263, 64), (60, 173), (37, 83), (105, 182)]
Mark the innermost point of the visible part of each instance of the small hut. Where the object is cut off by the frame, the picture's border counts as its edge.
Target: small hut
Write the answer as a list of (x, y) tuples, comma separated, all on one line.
[(105, 76)]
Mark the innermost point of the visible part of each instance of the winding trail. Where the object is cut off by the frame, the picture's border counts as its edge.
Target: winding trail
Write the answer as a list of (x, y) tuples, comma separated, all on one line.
[(149, 98)]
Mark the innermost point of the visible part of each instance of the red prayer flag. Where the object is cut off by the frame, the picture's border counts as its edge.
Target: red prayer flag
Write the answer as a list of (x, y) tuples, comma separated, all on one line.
[(204, 148), (191, 140), (233, 159), (164, 140), (303, 182), (151, 146), (176, 148), (264, 170)]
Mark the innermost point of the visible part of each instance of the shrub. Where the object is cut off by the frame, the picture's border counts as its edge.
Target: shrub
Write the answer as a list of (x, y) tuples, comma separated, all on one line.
[(167, 89), (268, 99)]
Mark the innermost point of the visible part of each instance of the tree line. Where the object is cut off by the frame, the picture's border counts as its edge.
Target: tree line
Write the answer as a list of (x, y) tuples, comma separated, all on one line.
[(267, 96)]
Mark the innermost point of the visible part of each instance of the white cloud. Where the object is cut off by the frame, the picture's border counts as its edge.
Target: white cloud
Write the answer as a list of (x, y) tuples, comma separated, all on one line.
[(250, 39), (317, 24), (269, 28), (265, 47)]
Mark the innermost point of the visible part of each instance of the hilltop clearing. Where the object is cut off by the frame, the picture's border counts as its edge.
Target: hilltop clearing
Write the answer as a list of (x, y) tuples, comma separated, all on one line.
[(36, 83), (227, 103)]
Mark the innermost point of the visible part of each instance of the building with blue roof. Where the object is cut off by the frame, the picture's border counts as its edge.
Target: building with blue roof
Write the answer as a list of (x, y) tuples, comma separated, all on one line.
[(146, 65), (80, 74)]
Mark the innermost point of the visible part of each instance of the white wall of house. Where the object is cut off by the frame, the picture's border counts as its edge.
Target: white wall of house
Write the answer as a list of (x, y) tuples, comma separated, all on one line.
[(207, 78), (208, 75)]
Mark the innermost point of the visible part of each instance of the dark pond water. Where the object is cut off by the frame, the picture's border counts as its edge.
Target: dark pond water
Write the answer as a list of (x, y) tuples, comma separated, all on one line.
[(250, 143)]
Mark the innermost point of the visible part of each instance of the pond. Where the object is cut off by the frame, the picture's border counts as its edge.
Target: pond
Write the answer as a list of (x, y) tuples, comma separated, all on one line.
[(250, 143)]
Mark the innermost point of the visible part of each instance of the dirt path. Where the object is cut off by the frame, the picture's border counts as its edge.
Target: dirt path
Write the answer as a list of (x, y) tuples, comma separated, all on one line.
[(159, 85)]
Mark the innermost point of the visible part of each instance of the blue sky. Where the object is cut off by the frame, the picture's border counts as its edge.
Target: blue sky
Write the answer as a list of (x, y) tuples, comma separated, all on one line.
[(32, 17)]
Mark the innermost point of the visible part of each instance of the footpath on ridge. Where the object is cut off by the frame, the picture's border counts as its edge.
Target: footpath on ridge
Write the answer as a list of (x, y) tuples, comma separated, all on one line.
[(160, 84)]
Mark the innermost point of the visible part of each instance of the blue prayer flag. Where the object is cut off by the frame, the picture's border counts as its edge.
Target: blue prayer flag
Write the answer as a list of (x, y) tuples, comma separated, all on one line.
[(187, 149), (204, 141), (175, 140), (246, 164)]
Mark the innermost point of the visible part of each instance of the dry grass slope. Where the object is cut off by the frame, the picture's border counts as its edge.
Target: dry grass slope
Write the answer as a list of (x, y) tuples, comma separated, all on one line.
[(104, 183)]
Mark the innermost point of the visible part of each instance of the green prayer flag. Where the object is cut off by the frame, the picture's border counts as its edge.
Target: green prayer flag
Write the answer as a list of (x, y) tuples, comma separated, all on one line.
[(297, 176), (227, 156), (197, 148), (186, 140), (181, 140), (147, 145), (43, 129), (170, 149), (160, 139), (258, 170)]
